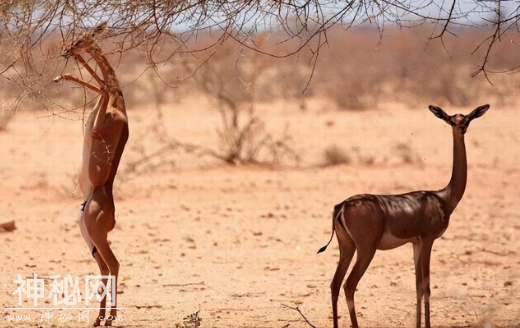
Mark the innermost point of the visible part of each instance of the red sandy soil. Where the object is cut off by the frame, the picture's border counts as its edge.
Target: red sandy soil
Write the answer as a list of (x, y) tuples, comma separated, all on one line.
[(237, 243)]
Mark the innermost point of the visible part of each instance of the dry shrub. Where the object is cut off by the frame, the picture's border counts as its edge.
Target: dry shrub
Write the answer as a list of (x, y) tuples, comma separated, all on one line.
[(232, 87), (363, 159), (333, 155), (191, 321), (250, 143), (405, 153)]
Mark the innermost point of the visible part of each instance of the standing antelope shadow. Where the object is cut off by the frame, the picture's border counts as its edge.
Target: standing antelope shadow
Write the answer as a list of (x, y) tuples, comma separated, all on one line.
[(365, 223)]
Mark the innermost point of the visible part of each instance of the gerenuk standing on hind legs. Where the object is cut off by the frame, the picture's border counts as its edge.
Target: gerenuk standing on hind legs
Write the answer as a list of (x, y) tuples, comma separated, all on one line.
[(365, 223), (105, 135)]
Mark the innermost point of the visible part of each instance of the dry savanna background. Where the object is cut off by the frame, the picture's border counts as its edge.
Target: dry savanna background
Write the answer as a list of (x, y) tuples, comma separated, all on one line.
[(231, 171)]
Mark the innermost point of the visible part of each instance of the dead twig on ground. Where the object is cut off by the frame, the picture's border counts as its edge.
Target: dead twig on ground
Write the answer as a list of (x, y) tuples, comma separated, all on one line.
[(300, 312)]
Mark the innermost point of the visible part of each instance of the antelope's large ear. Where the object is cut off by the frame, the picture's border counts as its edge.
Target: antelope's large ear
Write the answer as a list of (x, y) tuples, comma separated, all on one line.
[(437, 111), (478, 112)]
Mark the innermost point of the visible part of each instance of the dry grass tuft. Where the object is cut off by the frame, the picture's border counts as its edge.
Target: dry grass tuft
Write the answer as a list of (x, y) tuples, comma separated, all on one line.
[(333, 155), (405, 153), (191, 321)]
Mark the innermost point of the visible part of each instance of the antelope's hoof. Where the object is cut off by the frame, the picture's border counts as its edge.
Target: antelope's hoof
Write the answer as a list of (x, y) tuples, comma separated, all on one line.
[(108, 323), (97, 323), (58, 79)]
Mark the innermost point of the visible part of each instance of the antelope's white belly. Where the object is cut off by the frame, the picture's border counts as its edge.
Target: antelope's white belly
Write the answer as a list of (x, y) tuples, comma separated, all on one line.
[(442, 232), (389, 241)]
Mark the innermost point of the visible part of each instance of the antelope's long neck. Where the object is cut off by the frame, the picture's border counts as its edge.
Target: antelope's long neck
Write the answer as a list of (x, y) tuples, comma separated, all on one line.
[(109, 77), (453, 192)]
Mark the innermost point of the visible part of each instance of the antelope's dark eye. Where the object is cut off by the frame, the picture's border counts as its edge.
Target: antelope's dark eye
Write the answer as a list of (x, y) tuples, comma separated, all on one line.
[(79, 42)]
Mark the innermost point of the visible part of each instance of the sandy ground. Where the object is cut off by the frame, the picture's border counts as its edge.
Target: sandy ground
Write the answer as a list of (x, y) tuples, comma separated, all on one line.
[(239, 243)]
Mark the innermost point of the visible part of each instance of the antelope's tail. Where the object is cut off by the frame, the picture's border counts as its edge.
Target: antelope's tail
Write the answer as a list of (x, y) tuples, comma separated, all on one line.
[(338, 209)]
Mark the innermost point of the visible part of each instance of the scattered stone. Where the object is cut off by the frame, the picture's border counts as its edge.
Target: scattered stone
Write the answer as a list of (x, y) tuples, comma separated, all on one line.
[(271, 269), (7, 226)]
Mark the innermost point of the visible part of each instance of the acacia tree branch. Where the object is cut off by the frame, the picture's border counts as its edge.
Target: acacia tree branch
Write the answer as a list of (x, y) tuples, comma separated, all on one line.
[(153, 26), (447, 22), (492, 40)]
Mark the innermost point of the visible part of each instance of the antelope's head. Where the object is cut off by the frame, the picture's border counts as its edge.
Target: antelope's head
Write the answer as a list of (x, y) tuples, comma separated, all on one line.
[(84, 42), (459, 122)]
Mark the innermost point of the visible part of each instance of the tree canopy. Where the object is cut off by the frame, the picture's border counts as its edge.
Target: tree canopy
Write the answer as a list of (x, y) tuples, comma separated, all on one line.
[(25, 25)]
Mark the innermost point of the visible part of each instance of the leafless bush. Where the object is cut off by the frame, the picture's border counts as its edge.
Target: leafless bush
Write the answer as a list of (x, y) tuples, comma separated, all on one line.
[(243, 135), (367, 160), (363, 159), (333, 155), (405, 153), (243, 143)]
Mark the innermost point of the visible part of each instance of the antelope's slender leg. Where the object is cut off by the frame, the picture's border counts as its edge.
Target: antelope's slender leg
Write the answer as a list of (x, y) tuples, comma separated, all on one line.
[(101, 105), (418, 281), (74, 79), (426, 249), (103, 269), (99, 220), (99, 237), (82, 61), (97, 127), (346, 254), (364, 257), (113, 266)]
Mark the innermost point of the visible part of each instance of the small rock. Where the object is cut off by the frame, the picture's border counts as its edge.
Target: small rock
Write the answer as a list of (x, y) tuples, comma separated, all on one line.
[(7, 226)]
